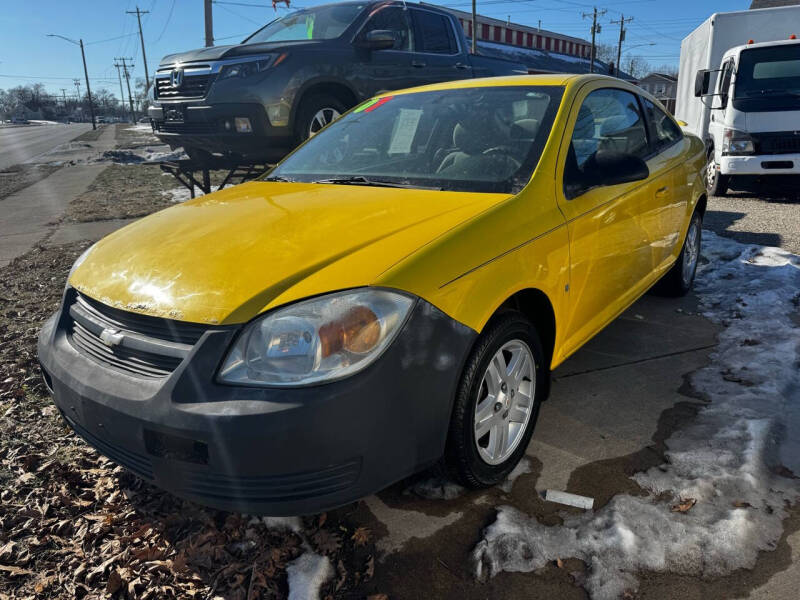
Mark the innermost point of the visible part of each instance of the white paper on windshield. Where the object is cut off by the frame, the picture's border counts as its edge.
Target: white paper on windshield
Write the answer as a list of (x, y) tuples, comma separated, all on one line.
[(405, 128)]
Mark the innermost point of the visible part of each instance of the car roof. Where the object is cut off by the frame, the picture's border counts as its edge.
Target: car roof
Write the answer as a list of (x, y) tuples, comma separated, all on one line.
[(548, 79)]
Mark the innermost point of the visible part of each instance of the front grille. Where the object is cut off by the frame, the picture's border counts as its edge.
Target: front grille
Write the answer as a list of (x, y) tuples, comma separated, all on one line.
[(198, 128), (779, 142), (193, 86), (149, 347), (272, 488)]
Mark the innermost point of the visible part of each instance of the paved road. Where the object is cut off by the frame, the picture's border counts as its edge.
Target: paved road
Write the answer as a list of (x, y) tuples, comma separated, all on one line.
[(21, 144)]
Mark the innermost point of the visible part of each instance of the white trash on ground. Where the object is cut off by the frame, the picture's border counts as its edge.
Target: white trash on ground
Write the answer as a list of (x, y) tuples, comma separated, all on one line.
[(726, 459), (569, 499)]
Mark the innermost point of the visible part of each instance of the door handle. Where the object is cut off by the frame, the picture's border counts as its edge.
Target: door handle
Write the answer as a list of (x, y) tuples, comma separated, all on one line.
[(460, 65), (417, 63), (662, 192)]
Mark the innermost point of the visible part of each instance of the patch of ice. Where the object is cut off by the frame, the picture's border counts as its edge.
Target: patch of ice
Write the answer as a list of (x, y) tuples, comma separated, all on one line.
[(307, 573), (724, 459), (143, 127)]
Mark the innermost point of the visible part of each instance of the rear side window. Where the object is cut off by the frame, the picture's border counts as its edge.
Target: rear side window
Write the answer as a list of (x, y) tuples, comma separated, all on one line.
[(433, 33), (665, 131)]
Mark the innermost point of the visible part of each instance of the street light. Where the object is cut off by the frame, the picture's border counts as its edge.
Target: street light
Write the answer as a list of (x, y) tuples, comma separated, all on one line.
[(628, 49), (85, 72)]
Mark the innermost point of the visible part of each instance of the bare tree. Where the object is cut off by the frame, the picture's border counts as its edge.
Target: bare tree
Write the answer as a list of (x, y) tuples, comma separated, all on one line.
[(637, 66)]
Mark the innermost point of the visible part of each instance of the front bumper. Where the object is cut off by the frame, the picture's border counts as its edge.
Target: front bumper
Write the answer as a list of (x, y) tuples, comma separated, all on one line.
[(767, 164), (267, 450), (211, 127)]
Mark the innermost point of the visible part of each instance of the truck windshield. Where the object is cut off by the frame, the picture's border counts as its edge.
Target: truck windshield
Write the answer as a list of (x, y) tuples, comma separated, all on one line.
[(320, 23), (472, 139), (772, 71)]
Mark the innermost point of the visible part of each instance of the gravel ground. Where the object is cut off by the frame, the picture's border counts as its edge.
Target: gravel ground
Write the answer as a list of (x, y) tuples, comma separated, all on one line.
[(765, 213)]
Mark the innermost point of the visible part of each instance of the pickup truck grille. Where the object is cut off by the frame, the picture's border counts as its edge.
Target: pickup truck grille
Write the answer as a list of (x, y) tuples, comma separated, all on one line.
[(151, 347), (197, 128), (193, 86), (778, 142)]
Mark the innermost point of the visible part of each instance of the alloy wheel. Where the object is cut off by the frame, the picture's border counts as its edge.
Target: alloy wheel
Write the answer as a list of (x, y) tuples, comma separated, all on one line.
[(321, 118), (691, 252), (504, 403)]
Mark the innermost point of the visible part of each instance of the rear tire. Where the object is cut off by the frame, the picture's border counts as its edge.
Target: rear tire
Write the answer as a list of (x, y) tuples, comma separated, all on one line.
[(716, 182), (482, 451), (316, 112), (679, 279)]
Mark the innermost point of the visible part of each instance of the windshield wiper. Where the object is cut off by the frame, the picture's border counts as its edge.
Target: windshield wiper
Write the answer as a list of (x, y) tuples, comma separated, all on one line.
[(279, 178), (757, 93), (361, 180)]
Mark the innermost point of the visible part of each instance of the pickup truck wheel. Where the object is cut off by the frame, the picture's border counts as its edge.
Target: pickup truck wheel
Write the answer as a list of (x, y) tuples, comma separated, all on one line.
[(679, 279), (497, 402), (315, 113), (716, 183)]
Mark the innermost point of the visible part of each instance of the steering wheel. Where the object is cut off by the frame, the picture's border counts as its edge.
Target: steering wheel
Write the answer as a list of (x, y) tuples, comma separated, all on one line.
[(503, 151)]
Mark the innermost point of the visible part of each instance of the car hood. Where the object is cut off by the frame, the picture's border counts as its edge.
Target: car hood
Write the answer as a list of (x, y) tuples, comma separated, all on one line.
[(226, 257), (225, 52)]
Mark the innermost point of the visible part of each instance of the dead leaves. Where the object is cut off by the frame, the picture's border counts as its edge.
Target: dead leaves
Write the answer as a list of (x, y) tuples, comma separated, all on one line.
[(361, 536), (684, 505)]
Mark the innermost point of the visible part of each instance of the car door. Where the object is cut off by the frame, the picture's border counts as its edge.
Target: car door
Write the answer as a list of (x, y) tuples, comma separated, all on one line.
[(388, 69), (437, 52), (671, 185), (610, 255)]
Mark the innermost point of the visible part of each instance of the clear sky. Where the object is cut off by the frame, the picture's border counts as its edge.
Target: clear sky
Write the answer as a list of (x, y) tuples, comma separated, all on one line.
[(27, 55)]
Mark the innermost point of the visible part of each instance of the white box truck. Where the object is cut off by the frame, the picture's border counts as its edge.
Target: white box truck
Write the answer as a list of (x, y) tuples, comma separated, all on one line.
[(739, 91)]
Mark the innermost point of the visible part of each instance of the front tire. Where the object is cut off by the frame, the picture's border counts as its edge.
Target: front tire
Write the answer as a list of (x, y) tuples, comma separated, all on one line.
[(679, 279), (716, 182), (316, 112), (497, 402)]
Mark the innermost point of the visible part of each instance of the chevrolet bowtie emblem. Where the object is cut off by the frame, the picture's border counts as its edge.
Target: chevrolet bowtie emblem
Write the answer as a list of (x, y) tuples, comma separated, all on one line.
[(111, 337)]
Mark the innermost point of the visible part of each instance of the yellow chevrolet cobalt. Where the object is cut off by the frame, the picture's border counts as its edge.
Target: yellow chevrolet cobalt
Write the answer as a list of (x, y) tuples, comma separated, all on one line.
[(394, 293)]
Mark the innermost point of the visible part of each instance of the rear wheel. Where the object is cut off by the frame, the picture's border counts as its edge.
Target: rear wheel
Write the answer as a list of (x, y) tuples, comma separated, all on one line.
[(679, 279), (497, 403), (316, 112), (716, 182)]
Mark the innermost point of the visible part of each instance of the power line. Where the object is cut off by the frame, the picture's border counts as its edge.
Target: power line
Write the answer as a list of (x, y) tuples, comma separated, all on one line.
[(166, 24)]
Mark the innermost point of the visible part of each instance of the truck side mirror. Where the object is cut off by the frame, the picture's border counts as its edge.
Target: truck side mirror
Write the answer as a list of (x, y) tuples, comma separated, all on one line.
[(379, 39), (702, 81)]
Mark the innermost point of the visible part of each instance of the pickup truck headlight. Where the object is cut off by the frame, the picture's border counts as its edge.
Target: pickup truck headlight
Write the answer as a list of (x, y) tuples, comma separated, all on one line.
[(737, 142), (247, 68), (316, 340)]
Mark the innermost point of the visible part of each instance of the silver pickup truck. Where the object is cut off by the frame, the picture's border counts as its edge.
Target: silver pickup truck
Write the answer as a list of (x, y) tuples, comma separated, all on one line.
[(282, 84)]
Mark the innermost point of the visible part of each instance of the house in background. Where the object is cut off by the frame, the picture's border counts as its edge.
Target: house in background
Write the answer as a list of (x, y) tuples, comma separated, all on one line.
[(663, 86)]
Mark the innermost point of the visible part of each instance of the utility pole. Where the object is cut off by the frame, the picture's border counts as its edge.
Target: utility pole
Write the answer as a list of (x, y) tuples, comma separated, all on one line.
[(210, 23), (125, 66), (85, 72), (64, 94), (139, 14), (474, 28), (622, 21), (596, 28), (121, 92)]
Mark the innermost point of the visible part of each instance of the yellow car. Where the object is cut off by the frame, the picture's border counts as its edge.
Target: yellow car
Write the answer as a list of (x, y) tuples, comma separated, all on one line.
[(395, 292)]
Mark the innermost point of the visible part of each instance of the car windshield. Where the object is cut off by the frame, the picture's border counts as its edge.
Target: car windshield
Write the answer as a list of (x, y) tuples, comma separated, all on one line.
[(771, 71), (483, 139), (320, 23)]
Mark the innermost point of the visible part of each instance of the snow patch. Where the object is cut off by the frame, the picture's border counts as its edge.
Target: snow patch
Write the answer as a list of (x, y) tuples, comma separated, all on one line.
[(290, 523), (307, 573), (523, 466), (725, 459), (182, 194), (143, 127)]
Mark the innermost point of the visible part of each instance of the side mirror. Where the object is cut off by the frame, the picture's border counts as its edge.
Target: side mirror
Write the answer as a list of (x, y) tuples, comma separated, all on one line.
[(702, 81), (378, 39), (611, 168)]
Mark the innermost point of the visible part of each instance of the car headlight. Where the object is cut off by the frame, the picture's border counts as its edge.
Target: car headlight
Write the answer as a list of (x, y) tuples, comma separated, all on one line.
[(248, 68), (737, 142), (316, 340), (78, 262)]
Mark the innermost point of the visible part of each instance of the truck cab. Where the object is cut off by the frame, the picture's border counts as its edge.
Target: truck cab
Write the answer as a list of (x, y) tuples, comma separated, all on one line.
[(754, 104)]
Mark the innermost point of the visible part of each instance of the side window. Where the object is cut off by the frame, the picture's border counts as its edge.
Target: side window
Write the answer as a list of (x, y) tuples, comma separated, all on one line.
[(433, 33), (395, 20), (609, 120), (665, 131)]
